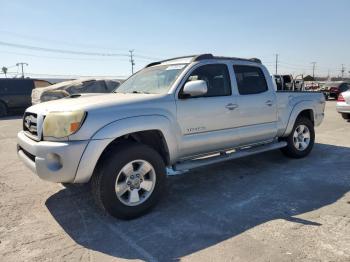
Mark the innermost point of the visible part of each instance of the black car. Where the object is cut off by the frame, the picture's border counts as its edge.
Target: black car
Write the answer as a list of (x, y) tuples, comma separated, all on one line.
[(15, 93)]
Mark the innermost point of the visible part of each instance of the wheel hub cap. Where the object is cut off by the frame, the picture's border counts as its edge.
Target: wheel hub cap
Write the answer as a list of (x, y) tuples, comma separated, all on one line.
[(135, 182), (301, 137)]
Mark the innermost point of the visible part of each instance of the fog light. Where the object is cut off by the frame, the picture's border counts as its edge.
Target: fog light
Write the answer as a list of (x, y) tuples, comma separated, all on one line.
[(53, 161)]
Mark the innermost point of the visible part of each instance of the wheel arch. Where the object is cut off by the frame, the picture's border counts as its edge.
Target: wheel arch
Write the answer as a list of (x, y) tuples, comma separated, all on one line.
[(154, 131), (304, 109)]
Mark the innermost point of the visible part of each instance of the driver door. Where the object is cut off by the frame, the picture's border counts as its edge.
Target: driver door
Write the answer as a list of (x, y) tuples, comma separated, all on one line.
[(207, 123)]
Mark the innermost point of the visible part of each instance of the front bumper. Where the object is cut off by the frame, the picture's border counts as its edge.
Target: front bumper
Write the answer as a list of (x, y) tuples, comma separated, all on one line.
[(343, 107), (51, 161)]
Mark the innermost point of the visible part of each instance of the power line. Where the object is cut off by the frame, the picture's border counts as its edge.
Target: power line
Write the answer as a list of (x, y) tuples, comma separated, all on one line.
[(42, 39), (69, 76), (67, 58), (53, 50)]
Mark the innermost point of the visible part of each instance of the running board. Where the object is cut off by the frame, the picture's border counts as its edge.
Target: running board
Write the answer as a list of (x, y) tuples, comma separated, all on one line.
[(224, 156)]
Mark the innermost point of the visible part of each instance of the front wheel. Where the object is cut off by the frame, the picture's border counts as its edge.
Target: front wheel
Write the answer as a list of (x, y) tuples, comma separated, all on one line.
[(301, 140), (129, 180)]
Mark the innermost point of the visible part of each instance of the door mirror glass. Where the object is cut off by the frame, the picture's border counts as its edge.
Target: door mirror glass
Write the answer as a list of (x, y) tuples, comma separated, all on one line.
[(195, 88)]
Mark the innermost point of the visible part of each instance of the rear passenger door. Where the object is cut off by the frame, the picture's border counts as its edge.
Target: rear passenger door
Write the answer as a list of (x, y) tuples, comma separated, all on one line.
[(257, 104)]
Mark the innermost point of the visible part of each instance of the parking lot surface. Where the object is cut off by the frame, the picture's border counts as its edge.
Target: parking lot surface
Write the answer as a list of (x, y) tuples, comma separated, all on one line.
[(261, 208)]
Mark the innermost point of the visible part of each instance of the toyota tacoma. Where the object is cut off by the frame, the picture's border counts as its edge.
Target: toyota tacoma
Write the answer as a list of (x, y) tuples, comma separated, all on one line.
[(170, 117)]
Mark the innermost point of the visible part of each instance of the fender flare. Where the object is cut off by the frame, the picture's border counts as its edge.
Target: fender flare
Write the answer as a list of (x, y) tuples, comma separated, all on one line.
[(108, 133), (297, 109)]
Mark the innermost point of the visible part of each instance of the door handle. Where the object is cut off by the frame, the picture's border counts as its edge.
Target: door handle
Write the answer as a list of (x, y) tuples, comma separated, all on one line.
[(231, 106), (269, 103)]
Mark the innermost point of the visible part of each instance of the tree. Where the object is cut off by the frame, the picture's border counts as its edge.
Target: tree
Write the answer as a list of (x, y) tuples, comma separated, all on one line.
[(4, 70)]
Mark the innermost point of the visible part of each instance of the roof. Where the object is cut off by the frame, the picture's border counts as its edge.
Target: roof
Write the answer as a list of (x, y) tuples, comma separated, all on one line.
[(194, 58)]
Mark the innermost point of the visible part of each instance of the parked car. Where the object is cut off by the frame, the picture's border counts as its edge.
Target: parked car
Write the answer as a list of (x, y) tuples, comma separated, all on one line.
[(343, 105), (284, 82), (173, 115), (15, 93), (333, 89), (79, 86)]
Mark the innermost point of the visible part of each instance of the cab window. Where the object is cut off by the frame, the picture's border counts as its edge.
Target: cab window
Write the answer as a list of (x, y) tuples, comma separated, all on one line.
[(217, 78), (250, 80)]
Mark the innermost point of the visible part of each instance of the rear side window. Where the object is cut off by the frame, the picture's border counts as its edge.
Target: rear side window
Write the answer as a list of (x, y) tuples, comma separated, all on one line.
[(111, 85), (16, 86), (343, 87), (93, 87), (250, 80), (217, 78)]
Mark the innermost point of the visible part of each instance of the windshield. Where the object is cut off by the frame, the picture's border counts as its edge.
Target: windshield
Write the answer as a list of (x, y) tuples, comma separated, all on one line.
[(152, 80)]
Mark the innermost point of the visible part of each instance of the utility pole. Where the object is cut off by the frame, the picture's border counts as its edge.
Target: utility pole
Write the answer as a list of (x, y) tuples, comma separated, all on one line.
[(22, 64), (132, 61), (342, 70), (276, 62), (313, 69)]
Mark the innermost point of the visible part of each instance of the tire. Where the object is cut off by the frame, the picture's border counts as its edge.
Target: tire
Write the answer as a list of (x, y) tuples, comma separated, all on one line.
[(295, 148), (121, 164), (3, 109), (346, 116)]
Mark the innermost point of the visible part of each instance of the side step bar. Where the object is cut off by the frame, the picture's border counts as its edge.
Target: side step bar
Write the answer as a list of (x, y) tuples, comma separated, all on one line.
[(190, 164)]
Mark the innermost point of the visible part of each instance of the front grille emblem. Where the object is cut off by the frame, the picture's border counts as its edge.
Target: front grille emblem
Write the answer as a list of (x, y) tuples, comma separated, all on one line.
[(28, 122)]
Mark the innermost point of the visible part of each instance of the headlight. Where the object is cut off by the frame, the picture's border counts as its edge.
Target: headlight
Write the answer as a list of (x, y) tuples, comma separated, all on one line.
[(63, 124)]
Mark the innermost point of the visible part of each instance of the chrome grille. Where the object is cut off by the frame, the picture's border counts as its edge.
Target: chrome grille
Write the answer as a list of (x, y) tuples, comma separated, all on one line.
[(30, 124)]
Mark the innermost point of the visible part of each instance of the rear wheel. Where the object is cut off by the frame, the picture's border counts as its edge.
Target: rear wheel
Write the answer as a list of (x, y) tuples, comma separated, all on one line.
[(346, 116), (3, 109), (301, 139), (129, 180)]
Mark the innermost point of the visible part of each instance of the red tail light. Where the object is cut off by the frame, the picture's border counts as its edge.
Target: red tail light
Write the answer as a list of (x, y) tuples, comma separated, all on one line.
[(341, 98)]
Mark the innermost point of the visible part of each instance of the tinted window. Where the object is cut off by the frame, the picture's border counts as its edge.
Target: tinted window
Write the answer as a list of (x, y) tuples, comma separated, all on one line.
[(16, 86), (217, 78), (250, 80), (111, 85), (93, 87), (343, 87)]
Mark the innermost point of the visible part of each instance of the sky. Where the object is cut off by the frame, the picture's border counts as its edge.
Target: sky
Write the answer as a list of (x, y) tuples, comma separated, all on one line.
[(48, 34)]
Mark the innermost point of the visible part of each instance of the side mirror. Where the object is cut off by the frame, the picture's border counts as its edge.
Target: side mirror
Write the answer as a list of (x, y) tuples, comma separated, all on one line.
[(195, 88)]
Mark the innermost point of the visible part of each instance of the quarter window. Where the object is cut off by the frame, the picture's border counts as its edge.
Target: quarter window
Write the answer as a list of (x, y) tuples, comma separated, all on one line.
[(250, 80), (217, 78)]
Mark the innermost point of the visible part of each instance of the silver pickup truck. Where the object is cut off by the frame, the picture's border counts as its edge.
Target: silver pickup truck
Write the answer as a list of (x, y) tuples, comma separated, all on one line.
[(170, 117)]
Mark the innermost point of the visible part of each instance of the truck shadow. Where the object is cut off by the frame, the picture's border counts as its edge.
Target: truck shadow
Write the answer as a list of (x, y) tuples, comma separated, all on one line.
[(210, 205)]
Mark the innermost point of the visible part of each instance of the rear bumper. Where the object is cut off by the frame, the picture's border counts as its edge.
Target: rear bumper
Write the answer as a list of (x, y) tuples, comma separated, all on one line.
[(51, 161), (343, 107)]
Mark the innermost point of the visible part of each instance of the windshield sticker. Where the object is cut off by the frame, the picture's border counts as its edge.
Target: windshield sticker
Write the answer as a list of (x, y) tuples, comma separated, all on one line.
[(175, 67)]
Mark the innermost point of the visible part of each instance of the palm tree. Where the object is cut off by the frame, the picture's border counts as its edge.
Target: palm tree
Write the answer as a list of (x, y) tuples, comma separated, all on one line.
[(4, 70)]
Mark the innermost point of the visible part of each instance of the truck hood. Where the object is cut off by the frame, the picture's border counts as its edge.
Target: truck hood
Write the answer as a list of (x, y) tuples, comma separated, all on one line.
[(91, 102)]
